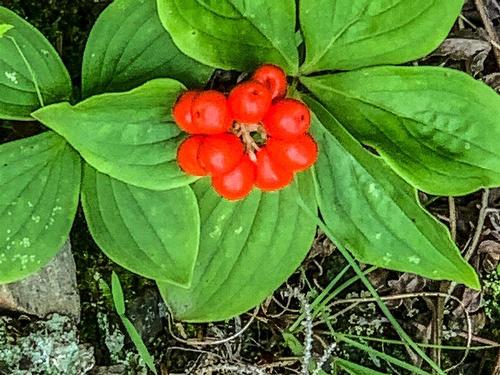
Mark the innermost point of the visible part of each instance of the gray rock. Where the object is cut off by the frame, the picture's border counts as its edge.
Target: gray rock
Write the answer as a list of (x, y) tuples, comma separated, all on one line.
[(52, 290), (144, 312), (44, 347)]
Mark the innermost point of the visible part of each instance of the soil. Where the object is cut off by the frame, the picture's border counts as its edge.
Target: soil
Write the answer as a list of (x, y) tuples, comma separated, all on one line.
[(263, 347)]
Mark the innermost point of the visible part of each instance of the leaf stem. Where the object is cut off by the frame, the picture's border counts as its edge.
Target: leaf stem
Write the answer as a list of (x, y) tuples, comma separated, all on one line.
[(30, 69)]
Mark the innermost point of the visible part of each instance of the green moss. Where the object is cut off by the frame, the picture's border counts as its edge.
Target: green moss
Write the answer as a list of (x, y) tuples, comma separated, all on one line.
[(492, 300)]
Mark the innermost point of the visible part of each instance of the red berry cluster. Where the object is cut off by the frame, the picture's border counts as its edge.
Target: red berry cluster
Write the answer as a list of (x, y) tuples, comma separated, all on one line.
[(253, 137)]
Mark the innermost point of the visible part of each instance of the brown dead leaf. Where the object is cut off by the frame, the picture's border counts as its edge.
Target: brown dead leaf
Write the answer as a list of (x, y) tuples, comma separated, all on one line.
[(472, 300), (473, 51), (407, 283), (322, 247), (491, 251)]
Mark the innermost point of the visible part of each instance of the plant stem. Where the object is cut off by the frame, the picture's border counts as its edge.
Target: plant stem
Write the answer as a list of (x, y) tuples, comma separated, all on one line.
[(437, 331), (399, 342)]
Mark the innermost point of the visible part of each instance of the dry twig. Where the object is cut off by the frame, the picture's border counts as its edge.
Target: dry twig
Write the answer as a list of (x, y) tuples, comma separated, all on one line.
[(490, 29)]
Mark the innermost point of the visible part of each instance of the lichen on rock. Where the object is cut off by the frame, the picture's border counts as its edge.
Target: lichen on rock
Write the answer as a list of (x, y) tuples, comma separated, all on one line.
[(49, 347)]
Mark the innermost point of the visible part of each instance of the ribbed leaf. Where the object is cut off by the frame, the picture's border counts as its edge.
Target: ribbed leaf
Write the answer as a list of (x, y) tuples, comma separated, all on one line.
[(128, 46), (233, 34), (247, 250), (39, 184), (152, 233), (375, 213), (347, 34), (130, 136), (438, 128), (27, 57)]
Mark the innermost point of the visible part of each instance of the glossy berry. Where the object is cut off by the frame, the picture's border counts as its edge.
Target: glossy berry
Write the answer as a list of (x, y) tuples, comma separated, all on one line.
[(297, 154), (274, 78), (210, 113), (249, 102), (270, 174), (187, 156), (220, 153), (287, 119), (182, 112), (237, 183)]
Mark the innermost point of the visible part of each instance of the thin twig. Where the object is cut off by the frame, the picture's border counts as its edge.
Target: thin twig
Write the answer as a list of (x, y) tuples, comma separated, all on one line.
[(480, 224), (490, 29), (337, 314), (496, 370), (453, 218), (443, 288), (284, 308), (477, 233), (211, 341)]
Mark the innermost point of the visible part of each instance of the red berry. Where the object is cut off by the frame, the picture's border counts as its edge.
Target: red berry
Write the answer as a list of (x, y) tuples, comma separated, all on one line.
[(210, 112), (238, 183), (249, 102), (274, 78), (297, 154), (270, 174), (220, 153), (287, 119), (182, 112), (187, 156)]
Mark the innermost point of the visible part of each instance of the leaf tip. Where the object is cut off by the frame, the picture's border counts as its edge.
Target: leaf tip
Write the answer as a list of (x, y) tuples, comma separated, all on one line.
[(473, 281), (117, 291)]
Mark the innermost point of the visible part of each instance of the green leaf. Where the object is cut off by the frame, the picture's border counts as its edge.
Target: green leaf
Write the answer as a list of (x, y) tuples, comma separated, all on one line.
[(233, 34), (130, 136), (293, 343), (28, 60), (117, 291), (375, 213), (346, 34), (4, 28), (152, 233), (139, 344), (438, 128), (119, 302), (355, 369), (247, 250), (39, 185), (128, 46)]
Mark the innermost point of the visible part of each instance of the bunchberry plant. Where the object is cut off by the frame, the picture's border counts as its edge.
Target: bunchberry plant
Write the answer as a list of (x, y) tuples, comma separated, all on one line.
[(217, 195)]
